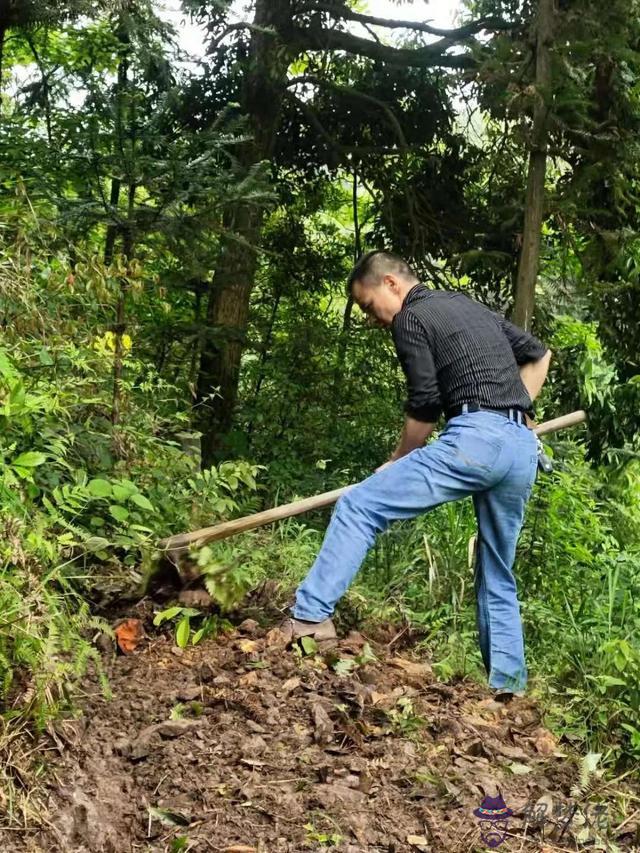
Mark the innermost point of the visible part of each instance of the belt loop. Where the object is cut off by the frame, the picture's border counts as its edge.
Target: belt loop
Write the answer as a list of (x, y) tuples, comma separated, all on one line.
[(465, 408), (512, 416)]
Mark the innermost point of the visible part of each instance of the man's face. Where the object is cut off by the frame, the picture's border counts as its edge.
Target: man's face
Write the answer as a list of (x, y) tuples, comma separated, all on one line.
[(380, 302)]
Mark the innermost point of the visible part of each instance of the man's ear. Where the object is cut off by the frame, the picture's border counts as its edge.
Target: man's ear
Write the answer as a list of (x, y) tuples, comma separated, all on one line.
[(391, 281)]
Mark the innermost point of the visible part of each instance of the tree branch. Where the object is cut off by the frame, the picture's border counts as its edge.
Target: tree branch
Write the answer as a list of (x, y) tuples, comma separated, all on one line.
[(429, 56), (456, 34), (242, 25)]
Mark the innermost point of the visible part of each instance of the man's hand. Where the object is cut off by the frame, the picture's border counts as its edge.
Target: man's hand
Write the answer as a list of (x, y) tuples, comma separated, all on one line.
[(414, 435)]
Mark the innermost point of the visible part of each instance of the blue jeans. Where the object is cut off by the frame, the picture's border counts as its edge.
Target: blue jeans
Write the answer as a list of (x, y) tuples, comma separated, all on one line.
[(482, 454)]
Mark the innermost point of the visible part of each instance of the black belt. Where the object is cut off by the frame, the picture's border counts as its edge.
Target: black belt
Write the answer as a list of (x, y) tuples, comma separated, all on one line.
[(514, 414)]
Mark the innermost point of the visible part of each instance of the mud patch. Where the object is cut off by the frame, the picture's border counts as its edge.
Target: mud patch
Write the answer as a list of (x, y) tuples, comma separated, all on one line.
[(242, 745)]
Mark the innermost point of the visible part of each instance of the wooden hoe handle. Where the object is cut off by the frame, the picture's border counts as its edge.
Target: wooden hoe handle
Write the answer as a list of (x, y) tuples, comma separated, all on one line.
[(182, 541)]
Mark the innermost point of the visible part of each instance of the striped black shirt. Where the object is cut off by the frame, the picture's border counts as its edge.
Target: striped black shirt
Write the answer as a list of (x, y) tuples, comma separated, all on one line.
[(455, 350)]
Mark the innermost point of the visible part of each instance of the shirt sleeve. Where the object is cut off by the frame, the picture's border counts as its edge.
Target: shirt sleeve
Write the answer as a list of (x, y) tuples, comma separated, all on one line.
[(526, 347), (424, 402)]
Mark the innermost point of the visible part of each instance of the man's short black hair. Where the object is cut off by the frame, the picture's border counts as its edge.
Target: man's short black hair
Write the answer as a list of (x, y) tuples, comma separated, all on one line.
[(372, 266)]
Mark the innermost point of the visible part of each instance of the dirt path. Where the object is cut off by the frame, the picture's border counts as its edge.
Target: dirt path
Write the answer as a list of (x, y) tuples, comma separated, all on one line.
[(240, 745)]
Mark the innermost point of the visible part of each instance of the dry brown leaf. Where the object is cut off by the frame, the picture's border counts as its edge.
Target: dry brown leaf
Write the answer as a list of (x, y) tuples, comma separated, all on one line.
[(544, 742), (249, 678), (418, 841), (247, 646), (276, 637), (128, 635), (290, 685), (417, 673)]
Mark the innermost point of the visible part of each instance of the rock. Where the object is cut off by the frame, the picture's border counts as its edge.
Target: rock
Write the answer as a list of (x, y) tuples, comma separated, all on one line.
[(323, 726), (255, 745), (249, 626), (151, 737), (188, 693), (195, 598), (175, 728)]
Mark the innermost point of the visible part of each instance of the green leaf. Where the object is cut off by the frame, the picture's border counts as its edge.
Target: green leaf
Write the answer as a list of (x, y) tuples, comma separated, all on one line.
[(610, 681), (119, 512), (309, 645), (99, 488), (120, 493), (142, 502), (198, 635), (96, 543), (164, 615), (182, 632), (31, 459), (366, 655), (344, 666)]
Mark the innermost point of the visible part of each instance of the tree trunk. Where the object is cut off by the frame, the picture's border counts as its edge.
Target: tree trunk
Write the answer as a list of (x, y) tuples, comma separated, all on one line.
[(127, 230), (230, 294), (3, 32), (112, 228), (357, 252), (264, 357), (198, 290), (121, 316), (535, 197), (343, 340)]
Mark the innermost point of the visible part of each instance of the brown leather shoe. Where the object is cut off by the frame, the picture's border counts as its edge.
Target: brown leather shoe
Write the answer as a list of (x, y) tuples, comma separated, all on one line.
[(293, 629)]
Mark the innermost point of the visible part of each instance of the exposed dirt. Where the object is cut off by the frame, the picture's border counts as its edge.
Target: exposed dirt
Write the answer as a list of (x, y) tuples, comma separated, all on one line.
[(241, 745)]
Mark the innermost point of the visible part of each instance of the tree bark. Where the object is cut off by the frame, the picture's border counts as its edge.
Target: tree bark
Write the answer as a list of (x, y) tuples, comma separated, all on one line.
[(535, 196), (121, 316), (265, 351), (229, 297), (348, 309)]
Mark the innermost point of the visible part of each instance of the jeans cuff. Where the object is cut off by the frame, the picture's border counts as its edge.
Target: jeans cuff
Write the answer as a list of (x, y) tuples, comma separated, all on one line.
[(307, 617)]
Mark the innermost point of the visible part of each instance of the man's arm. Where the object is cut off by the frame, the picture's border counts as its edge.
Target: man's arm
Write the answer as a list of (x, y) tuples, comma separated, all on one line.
[(423, 405), (530, 354), (534, 374)]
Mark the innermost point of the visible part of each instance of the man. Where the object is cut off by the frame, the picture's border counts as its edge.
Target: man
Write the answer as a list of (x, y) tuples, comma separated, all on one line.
[(482, 372)]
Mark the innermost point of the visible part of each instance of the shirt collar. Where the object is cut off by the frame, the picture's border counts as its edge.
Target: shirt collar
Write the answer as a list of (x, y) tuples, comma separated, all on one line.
[(416, 292)]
